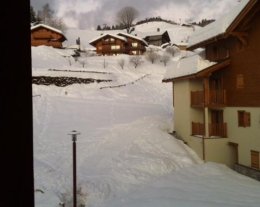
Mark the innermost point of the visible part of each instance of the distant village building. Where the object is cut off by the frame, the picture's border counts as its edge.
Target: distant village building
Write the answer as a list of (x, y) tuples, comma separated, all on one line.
[(157, 38), (217, 94), (42, 34), (121, 43)]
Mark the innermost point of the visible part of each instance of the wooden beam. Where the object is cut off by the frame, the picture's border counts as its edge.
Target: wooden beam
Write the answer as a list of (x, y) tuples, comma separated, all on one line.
[(241, 36)]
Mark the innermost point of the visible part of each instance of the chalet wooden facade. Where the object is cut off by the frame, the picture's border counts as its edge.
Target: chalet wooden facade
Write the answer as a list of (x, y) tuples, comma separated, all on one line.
[(221, 103), (121, 43), (42, 34), (158, 38)]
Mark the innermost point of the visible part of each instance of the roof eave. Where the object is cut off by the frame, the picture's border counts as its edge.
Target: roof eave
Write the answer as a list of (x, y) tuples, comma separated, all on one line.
[(203, 73), (208, 41), (230, 28)]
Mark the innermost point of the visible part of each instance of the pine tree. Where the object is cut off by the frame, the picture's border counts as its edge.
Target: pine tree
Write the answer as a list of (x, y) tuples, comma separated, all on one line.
[(33, 15), (98, 27)]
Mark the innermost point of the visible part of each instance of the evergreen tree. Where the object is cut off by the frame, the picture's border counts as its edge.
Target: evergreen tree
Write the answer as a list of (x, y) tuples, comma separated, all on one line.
[(98, 27), (33, 15)]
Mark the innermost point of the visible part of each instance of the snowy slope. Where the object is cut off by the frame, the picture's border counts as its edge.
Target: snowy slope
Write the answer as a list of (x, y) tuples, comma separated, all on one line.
[(125, 155), (178, 34)]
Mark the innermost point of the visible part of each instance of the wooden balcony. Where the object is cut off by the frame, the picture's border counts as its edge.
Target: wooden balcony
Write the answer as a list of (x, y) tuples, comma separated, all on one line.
[(217, 98), (218, 130), (197, 129), (197, 99)]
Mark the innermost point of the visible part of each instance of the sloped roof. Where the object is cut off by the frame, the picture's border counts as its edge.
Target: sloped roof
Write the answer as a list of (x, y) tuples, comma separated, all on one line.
[(219, 27), (190, 64), (133, 37), (47, 27), (108, 34)]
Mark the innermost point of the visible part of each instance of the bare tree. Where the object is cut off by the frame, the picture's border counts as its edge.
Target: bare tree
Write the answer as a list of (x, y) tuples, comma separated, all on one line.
[(135, 60), (82, 59), (151, 56), (126, 16), (121, 63), (46, 15), (165, 59), (171, 50)]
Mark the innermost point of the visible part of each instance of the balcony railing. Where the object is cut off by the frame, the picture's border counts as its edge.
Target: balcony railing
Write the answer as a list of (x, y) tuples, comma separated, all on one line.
[(218, 129), (197, 99), (216, 98), (197, 128)]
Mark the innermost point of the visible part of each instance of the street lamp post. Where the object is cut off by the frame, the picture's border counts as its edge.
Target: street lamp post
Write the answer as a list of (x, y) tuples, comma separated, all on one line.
[(74, 134)]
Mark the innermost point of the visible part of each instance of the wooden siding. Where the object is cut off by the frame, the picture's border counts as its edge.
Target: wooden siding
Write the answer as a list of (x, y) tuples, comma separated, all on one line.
[(104, 46), (242, 78), (43, 36)]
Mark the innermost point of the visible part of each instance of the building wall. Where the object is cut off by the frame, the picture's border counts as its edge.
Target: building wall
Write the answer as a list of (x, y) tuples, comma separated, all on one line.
[(103, 47), (241, 78), (184, 114), (43, 36), (247, 138)]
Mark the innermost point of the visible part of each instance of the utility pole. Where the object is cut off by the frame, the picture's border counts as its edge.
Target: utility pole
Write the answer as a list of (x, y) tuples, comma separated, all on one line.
[(74, 134)]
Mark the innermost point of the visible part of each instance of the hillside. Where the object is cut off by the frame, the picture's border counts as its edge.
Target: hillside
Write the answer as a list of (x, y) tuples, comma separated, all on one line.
[(177, 33), (125, 154)]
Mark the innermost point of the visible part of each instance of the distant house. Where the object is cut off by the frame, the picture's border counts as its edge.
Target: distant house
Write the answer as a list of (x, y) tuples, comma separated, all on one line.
[(42, 34), (216, 92), (121, 43), (157, 38)]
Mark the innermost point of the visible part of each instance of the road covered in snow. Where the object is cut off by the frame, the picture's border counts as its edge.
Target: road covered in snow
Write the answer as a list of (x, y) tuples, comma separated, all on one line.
[(125, 154)]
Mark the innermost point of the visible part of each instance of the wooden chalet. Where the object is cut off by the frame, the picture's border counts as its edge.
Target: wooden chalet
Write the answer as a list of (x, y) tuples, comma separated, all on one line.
[(42, 34), (121, 43), (157, 38), (219, 101)]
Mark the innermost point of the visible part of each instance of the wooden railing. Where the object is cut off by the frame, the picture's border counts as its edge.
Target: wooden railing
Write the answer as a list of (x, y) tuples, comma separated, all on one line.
[(219, 130), (197, 128), (216, 98), (197, 99)]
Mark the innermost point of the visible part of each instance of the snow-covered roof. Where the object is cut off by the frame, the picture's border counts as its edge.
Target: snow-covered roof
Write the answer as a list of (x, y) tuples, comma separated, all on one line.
[(133, 36), (218, 27), (108, 34), (47, 27), (188, 64)]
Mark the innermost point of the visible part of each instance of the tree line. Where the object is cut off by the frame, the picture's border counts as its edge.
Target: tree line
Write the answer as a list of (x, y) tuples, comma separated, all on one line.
[(47, 16)]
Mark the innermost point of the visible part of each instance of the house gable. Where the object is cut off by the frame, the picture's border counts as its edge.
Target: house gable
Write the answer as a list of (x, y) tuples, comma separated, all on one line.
[(45, 35)]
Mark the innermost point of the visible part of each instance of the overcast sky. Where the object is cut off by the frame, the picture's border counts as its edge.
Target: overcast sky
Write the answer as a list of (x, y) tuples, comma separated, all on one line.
[(86, 14)]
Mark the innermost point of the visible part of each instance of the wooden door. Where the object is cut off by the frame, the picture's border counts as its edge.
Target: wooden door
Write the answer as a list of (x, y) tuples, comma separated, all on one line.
[(255, 159)]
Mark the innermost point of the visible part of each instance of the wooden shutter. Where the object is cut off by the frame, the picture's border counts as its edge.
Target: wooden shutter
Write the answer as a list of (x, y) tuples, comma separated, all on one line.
[(247, 119)]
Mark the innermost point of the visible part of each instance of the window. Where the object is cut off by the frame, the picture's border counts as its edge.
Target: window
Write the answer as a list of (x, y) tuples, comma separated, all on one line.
[(243, 119), (134, 44), (240, 81), (255, 159), (115, 47), (134, 52), (112, 39)]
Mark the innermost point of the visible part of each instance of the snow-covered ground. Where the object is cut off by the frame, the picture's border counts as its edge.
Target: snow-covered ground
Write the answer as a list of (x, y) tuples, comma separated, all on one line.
[(125, 155), (178, 34)]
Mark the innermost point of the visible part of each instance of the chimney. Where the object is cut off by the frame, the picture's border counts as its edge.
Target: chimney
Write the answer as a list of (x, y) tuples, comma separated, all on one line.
[(158, 29)]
